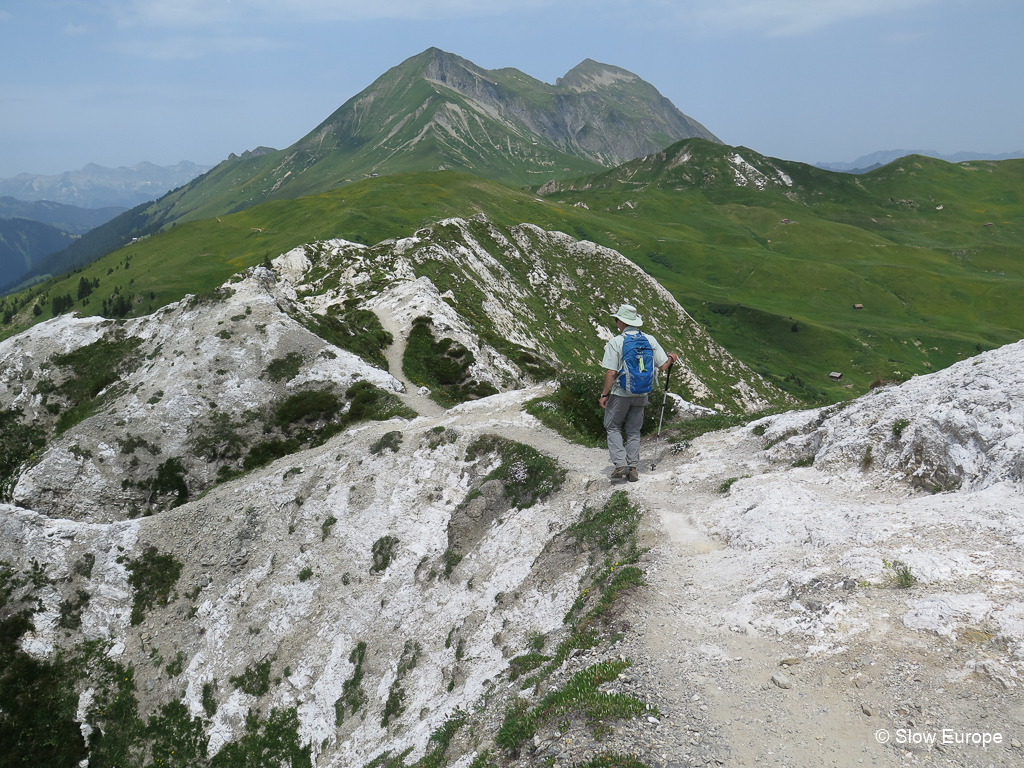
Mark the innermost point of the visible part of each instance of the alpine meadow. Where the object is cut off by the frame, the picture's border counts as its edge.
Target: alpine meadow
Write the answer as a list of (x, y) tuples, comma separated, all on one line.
[(303, 463)]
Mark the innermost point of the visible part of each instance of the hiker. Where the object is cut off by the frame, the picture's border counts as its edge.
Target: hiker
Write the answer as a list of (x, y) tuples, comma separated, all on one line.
[(629, 362)]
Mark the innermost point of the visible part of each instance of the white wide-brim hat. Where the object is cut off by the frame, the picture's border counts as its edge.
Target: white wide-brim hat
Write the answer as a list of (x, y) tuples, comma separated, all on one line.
[(627, 314)]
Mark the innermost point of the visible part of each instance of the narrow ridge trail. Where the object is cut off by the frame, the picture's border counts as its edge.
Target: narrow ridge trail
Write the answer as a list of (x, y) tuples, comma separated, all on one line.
[(738, 689)]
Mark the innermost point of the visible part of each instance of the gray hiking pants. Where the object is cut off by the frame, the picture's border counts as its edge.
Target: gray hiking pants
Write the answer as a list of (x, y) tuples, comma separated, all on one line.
[(625, 412)]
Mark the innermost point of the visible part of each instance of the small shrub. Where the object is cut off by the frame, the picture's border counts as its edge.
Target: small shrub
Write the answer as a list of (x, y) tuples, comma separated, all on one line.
[(867, 460), (309, 406), (208, 700), (175, 668), (898, 426), (170, 479), (18, 442), (305, 574), (152, 576), (326, 525), (727, 484), (352, 695), (71, 610), (527, 474), (901, 575), (383, 551), (390, 441), (284, 368), (266, 451), (255, 680)]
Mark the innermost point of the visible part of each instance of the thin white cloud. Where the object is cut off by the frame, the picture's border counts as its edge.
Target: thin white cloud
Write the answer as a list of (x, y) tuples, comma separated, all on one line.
[(195, 13), (793, 17), (191, 47)]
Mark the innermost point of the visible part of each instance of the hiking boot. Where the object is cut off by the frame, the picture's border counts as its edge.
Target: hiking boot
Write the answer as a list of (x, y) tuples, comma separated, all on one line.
[(632, 475), (620, 473)]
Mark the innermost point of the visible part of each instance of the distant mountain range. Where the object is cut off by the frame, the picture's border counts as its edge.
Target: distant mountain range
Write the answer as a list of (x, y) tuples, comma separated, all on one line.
[(95, 186), (875, 160), (69, 218), (24, 243), (31, 231)]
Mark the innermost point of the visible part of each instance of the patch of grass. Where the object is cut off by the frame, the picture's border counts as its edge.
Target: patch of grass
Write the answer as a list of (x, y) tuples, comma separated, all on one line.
[(91, 370), (131, 443), (383, 551), (390, 441), (451, 560), (71, 610), (527, 474), (694, 428), (352, 694), (18, 443), (153, 577), (579, 697), (284, 368), (898, 426), (310, 405), (358, 331), (326, 525), (274, 741), (175, 668), (209, 700), (867, 460), (38, 726), (395, 704), (727, 484), (170, 480), (305, 574), (525, 663), (178, 738), (442, 365), (255, 680)]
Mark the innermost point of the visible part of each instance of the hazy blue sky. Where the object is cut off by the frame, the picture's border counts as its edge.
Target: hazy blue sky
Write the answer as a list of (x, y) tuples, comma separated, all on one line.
[(119, 81)]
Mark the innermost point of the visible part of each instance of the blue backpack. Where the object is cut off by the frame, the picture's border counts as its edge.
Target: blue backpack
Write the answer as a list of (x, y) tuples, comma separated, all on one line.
[(637, 373)]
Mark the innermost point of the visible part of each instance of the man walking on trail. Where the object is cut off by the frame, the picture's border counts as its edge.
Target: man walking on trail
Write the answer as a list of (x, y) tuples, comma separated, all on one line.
[(629, 362)]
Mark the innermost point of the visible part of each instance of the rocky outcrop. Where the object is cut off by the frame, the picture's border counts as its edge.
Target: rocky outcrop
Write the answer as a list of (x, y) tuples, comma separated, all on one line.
[(961, 427)]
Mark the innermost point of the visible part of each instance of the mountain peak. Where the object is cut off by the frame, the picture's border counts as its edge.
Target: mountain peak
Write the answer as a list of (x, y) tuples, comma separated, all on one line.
[(589, 75)]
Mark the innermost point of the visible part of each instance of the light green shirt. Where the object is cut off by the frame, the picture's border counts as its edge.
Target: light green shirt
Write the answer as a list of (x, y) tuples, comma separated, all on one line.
[(612, 360)]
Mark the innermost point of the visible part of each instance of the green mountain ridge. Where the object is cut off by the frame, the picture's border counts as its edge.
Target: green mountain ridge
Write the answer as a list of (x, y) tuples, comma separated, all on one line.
[(434, 111), (770, 256), (757, 247), (24, 243)]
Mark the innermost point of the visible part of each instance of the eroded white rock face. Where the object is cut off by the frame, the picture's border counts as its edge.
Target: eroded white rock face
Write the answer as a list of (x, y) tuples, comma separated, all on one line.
[(194, 360), (280, 566), (962, 427), (544, 291)]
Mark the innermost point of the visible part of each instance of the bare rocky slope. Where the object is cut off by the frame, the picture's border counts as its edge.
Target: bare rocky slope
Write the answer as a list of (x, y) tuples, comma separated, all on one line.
[(840, 586)]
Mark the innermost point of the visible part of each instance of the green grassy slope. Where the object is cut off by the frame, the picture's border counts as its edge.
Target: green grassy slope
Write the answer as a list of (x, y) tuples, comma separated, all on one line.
[(907, 241), (937, 285)]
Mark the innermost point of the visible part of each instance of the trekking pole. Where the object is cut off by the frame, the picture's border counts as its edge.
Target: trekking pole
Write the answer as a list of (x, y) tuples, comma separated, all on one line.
[(661, 419)]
